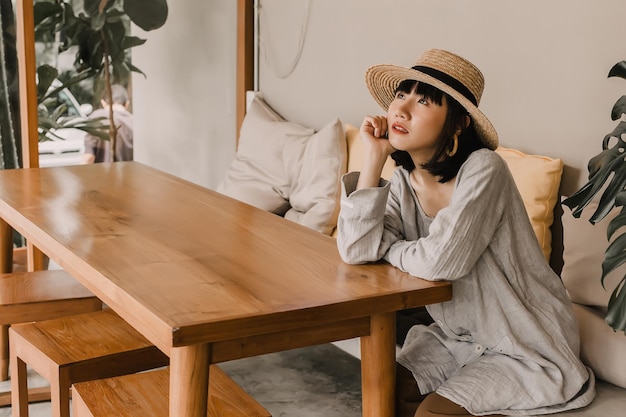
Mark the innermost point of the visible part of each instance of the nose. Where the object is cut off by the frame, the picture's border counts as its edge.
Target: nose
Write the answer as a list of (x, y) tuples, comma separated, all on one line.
[(400, 109)]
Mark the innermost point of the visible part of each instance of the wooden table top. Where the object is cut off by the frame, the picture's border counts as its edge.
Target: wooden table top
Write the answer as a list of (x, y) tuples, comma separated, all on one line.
[(190, 264)]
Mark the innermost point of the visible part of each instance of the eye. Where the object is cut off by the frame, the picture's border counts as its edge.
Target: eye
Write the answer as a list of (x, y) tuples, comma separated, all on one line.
[(399, 94), (422, 100)]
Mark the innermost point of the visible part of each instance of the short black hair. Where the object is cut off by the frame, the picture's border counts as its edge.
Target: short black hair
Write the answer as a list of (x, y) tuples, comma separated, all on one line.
[(441, 165)]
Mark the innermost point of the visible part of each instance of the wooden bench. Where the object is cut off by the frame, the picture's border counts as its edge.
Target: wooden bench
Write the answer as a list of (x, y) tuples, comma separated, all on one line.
[(32, 296), (75, 349), (42, 295), (146, 394)]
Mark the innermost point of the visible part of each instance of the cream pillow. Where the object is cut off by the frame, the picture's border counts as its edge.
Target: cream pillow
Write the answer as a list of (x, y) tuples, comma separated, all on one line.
[(283, 167), (256, 176), (601, 348), (537, 179), (584, 245), (315, 171)]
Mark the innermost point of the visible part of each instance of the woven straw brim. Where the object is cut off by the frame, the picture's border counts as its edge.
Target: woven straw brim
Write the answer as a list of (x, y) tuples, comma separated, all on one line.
[(383, 80)]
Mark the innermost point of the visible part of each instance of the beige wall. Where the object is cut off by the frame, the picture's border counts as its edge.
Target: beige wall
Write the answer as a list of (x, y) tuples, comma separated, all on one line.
[(545, 62), (185, 108)]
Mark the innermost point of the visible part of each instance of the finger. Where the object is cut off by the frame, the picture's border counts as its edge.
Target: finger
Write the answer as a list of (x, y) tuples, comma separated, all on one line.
[(380, 126)]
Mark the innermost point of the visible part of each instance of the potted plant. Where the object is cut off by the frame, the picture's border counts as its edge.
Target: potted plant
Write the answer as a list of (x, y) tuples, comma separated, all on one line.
[(607, 174), (100, 31)]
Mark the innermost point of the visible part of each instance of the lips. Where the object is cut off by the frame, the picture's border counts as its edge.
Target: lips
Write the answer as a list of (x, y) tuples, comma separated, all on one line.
[(397, 127)]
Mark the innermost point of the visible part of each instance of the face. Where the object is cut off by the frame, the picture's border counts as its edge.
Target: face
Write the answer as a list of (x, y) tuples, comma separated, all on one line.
[(415, 122)]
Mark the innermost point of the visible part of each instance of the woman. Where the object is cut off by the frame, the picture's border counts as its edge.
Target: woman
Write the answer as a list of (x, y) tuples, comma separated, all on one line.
[(507, 342)]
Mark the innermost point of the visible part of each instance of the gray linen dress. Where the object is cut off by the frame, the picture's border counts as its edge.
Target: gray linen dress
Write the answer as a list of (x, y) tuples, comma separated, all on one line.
[(507, 342)]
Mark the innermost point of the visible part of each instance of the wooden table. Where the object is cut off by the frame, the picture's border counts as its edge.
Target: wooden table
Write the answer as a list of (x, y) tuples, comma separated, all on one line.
[(207, 278)]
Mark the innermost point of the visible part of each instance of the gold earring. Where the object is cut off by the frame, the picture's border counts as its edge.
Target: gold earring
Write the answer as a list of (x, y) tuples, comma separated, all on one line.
[(455, 146)]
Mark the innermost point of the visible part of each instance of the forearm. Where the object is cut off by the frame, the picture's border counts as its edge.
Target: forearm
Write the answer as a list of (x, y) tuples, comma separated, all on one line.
[(371, 170), (377, 148)]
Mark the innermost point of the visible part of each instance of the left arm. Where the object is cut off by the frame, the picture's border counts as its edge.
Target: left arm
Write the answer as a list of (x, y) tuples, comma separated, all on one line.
[(461, 232)]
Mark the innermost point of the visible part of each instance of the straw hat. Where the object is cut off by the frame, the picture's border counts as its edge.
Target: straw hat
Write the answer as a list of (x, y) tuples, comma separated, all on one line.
[(442, 69)]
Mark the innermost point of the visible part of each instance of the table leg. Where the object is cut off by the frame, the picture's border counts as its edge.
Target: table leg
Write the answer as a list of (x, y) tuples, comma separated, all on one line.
[(189, 380), (6, 265), (37, 261), (6, 247), (378, 366)]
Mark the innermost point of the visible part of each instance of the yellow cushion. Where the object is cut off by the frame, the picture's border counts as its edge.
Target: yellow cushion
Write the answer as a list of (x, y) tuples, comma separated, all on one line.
[(537, 179)]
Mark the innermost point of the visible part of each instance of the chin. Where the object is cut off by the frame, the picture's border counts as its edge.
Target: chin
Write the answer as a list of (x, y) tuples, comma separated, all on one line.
[(397, 144)]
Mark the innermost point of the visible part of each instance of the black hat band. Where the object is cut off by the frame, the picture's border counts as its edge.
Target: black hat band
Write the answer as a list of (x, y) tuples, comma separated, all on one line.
[(451, 81)]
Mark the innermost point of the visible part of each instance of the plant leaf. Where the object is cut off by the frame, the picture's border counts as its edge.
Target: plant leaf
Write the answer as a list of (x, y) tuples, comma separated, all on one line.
[(618, 70), (132, 41), (616, 311), (135, 69), (614, 256), (579, 200), (609, 196), (45, 75), (45, 10), (619, 108), (147, 14), (617, 222)]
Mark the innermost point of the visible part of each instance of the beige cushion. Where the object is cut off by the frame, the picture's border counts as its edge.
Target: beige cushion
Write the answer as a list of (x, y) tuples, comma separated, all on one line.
[(315, 170), (286, 168), (601, 348), (584, 245), (537, 179), (356, 153)]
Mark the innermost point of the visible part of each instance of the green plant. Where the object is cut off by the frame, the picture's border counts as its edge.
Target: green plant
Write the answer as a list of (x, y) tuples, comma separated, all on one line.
[(9, 122), (100, 31), (609, 166), (50, 122)]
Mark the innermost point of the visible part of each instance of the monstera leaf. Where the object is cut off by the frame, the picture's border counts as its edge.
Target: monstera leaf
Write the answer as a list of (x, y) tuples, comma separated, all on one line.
[(609, 166)]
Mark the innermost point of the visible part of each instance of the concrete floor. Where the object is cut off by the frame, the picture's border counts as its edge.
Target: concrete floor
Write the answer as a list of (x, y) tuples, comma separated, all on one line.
[(321, 381), (324, 381)]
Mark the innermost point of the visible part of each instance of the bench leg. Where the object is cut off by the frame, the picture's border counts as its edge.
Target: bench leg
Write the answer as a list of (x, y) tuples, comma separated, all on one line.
[(19, 387), (4, 352), (79, 408), (60, 394), (6, 265)]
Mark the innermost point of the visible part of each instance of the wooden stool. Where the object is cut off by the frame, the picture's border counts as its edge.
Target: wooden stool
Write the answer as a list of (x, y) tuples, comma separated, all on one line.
[(75, 349), (33, 296), (147, 394)]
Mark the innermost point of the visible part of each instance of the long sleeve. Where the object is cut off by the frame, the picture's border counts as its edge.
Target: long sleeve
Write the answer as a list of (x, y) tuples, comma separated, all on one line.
[(461, 232), (361, 221)]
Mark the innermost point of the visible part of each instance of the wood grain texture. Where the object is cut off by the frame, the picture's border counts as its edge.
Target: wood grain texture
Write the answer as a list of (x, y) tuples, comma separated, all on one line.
[(29, 120), (146, 394), (194, 270), (74, 349), (378, 354), (190, 264), (42, 295)]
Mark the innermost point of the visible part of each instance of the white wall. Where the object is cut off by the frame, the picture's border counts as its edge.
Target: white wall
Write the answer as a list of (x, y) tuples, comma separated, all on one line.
[(185, 108), (545, 63)]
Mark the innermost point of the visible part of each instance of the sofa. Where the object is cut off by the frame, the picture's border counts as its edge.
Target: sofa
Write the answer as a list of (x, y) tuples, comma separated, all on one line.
[(294, 171)]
